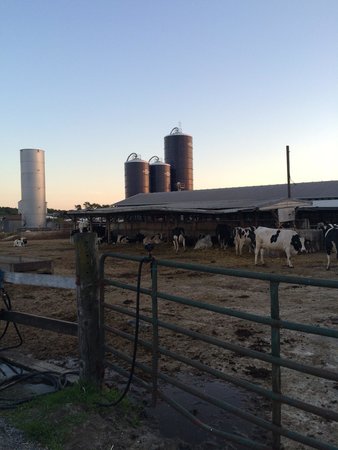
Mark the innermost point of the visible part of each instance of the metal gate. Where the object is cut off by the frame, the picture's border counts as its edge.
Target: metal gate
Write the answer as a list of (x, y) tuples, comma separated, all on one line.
[(121, 321)]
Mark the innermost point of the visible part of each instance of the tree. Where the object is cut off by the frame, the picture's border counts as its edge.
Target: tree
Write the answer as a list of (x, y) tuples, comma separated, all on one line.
[(8, 211)]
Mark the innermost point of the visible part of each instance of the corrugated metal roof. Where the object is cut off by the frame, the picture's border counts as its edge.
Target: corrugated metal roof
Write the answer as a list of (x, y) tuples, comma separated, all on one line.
[(247, 196), (221, 201)]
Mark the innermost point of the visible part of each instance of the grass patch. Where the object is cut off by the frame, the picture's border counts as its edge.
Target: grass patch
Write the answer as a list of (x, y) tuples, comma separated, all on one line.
[(50, 419)]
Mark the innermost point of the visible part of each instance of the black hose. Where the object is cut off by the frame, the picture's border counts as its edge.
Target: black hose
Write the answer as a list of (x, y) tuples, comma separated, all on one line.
[(55, 380), (146, 259), (7, 301)]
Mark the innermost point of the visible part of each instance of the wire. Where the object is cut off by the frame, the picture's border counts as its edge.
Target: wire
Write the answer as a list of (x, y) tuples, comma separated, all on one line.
[(146, 259), (7, 301), (56, 380)]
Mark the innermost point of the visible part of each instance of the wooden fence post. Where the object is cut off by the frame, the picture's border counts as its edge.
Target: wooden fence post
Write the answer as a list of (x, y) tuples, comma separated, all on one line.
[(87, 293)]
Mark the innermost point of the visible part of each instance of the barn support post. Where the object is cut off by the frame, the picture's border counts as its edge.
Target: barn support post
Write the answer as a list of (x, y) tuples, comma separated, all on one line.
[(87, 294)]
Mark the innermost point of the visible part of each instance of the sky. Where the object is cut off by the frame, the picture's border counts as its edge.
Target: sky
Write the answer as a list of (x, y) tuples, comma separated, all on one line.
[(91, 82)]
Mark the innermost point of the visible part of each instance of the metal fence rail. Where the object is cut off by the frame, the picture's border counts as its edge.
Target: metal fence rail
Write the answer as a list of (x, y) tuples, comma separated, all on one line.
[(273, 358)]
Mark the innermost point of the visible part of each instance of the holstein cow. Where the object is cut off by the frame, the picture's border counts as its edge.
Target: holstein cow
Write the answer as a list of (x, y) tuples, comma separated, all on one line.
[(115, 238), (278, 239), (244, 236), (153, 239), (224, 235), (330, 241), (178, 238), (22, 242), (203, 243)]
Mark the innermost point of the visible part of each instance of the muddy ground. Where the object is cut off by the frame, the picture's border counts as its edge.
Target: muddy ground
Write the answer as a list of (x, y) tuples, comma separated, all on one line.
[(304, 304)]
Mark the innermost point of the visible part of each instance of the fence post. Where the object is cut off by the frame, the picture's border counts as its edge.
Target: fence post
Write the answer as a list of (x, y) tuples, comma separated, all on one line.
[(87, 294)]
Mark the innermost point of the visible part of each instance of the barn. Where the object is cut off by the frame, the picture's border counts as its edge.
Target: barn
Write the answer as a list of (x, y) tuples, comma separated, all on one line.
[(200, 210)]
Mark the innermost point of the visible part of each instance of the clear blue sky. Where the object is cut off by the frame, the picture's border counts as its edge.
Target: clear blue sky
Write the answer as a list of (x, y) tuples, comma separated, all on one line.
[(90, 82)]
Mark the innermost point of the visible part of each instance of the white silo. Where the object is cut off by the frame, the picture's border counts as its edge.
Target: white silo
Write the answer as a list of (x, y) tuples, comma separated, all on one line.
[(33, 206)]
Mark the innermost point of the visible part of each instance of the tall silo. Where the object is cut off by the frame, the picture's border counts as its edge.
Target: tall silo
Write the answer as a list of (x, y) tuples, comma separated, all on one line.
[(159, 175), (33, 206), (136, 175), (178, 153)]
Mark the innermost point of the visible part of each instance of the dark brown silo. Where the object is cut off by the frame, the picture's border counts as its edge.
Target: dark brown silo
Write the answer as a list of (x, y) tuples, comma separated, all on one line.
[(136, 175), (159, 175), (178, 153)]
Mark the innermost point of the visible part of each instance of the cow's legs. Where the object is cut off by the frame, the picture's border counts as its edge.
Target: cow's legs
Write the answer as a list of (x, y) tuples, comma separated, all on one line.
[(288, 258), (329, 261), (257, 251), (262, 255)]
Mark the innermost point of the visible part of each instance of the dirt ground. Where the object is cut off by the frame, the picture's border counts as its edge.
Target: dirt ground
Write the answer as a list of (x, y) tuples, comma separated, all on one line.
[(304, 304)]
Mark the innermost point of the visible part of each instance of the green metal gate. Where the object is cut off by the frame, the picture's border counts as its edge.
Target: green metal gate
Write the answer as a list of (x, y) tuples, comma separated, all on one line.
[(150, 375)]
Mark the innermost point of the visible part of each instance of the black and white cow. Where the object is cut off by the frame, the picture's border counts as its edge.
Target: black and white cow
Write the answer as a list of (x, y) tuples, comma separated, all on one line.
[(244, 237), (22, 242), (153, 239), (121, 239), (178, 238), (278, 239), (330, 240), (81, 229), (224, 234)]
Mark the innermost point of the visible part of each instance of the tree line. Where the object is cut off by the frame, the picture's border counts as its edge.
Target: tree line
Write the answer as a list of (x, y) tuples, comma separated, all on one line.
[(8, 211)]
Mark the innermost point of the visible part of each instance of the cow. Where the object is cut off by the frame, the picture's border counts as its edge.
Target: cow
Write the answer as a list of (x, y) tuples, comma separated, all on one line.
[(100, 230), (178, 238), (224, 235), (115, 238), (244, 236), (153, 239), (82, 229), (83, 225), (330, 240), (313, 239), (285, 240), (203, 243), (121, 239), (22, 242)]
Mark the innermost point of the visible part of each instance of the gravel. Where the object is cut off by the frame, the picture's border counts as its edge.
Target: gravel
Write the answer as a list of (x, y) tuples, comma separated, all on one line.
[(11, 438)]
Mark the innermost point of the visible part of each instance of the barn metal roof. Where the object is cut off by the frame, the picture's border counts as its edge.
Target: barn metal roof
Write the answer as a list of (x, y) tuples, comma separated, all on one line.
[(235, 197), (224, 200)]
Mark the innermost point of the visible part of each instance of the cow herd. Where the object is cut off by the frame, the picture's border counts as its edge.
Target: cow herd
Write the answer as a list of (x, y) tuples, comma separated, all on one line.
[(256, 240), (261, 239), (251, 239)]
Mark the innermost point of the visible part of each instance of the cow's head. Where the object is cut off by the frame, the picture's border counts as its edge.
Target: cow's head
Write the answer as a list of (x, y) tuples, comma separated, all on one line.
[(298, 243)]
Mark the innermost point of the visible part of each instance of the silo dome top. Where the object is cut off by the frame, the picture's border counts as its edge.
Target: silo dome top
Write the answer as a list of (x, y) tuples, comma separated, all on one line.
[(177, 131), (156, 160), (134, 157)]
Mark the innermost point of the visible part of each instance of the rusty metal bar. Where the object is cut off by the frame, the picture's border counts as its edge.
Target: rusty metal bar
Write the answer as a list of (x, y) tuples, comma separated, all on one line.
[(310, 329), (230, 408), (231, 272), (328, 374), (327, 414), (275, 369), (274, 358), (154, 306)]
